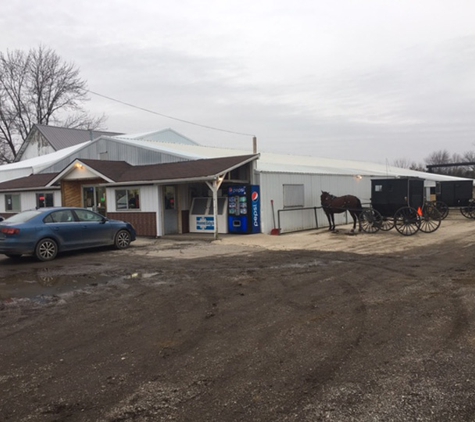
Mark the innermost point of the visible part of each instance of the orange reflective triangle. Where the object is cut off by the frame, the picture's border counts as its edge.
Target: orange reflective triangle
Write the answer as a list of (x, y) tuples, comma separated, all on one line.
[(419, 212)]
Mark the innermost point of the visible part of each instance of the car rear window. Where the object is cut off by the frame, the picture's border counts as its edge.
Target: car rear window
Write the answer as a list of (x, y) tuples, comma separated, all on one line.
[(23, 217)]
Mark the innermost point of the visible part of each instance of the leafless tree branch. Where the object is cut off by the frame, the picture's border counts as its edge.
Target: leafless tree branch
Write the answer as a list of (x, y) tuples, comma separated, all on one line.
[(39, 87)]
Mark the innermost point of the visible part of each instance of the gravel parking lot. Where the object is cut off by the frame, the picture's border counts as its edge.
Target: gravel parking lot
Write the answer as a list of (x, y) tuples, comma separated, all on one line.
[(309, 326)]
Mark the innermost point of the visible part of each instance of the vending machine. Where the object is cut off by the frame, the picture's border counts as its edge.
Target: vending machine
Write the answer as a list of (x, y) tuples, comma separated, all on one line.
[(244, 210)]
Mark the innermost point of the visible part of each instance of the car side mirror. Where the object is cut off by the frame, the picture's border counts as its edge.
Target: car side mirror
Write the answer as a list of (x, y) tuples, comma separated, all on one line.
[(104, 220), (1, 218)]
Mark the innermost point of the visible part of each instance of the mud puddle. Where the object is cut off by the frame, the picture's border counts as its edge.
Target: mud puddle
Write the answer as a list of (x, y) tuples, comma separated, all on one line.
[(40, 284), (37, 284)]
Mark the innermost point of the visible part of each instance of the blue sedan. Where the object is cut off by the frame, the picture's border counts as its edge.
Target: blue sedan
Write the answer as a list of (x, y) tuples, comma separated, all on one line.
[(44, 232)]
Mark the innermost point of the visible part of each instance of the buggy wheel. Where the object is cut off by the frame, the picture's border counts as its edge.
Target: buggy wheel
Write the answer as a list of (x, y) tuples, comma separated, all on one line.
[(468, 211), (406, 221), (370, 220), (387, 224), (442, 208), (430, 219)]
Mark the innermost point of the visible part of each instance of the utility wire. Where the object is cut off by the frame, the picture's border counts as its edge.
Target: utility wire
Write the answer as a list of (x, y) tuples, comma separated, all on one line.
[(168, 117)]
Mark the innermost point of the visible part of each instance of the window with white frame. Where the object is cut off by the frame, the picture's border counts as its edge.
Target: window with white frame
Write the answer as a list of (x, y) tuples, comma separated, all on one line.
[(44, 200), (12, 202), (293, 196), (127, 199)]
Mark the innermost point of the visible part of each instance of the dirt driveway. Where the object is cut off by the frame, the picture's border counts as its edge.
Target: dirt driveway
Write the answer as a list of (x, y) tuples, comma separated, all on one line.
[(304, 327)]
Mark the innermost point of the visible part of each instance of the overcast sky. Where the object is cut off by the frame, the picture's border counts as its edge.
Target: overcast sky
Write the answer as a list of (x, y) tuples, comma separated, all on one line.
[(372, 80)]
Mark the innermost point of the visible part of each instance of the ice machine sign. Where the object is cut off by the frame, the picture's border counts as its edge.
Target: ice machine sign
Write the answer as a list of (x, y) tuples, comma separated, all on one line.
[(205, 223)]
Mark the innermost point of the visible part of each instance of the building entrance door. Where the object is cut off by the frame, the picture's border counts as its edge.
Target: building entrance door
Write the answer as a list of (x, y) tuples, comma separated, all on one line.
[(94, 198), (170, 210)]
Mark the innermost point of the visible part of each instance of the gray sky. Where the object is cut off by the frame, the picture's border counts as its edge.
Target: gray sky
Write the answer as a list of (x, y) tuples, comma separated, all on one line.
[(367, 80)]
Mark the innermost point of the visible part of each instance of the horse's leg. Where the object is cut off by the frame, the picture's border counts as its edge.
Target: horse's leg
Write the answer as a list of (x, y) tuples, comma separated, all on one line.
[(332, 225), (356, 217), (328, 214), (353, 216)]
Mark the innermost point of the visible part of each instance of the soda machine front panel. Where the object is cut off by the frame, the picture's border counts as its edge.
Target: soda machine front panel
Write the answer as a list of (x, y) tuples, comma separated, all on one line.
[(238, 209), (244, 209)]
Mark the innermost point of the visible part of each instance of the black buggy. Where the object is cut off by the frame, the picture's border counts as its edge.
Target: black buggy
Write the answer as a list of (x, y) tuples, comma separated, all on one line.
[(452, 195), (399, 203)]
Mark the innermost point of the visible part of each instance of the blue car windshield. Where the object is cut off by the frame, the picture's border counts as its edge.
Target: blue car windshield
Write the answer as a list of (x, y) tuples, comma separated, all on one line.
[(23, 217)]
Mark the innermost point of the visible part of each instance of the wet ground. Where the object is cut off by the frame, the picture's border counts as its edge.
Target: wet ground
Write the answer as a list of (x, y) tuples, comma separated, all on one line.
[(208, 331)]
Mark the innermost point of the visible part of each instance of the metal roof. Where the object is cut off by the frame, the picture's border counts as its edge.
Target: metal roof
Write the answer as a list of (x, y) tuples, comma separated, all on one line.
[(37, 164), (60, 137), (167, 135), (268, 162), (286, 163)]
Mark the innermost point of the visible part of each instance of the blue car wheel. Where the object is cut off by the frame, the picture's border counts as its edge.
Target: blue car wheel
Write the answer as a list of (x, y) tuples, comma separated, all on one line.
[(122, 239), (46, 250)]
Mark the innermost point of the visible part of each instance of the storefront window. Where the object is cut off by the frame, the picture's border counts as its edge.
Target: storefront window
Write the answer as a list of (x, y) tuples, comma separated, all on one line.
[(12, 202), (127, 199), (44, 200), (94, 198)]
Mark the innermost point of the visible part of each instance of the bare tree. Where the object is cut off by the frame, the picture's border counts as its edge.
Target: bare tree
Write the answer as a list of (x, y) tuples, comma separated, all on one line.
[(469, 157), (39, 87), (404, 163), (438, 157), (460, 169)]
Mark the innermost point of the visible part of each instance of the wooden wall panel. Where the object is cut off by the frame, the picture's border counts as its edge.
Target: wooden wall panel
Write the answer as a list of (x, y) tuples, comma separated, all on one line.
[(72, 191), (145, 223)]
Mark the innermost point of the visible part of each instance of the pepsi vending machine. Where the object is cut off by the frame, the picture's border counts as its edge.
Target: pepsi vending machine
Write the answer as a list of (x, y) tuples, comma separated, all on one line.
[(244, 209)]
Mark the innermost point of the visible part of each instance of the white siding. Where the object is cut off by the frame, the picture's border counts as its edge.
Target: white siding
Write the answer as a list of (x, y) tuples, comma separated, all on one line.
[(57, 199), (272, 189), (28, 199), (2, 203), (115, 151), (35, 149)]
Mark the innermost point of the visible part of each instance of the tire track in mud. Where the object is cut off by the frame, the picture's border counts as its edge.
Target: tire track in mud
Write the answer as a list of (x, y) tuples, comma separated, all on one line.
[(255, 350), (219, 297), (252, 350)]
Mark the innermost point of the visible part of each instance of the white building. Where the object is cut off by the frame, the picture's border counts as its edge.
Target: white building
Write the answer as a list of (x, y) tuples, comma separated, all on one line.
[(96, 172)]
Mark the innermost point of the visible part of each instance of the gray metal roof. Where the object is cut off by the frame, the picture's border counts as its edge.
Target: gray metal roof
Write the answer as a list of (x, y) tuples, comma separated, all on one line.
[(267, 163), (60, 137), (166, 135)]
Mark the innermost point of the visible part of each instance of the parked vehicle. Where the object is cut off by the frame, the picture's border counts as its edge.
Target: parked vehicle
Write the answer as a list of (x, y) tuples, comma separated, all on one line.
[(45, 232)]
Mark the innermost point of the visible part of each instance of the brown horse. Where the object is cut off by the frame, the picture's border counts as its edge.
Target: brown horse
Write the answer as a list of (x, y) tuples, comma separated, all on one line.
[(337, 204)]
